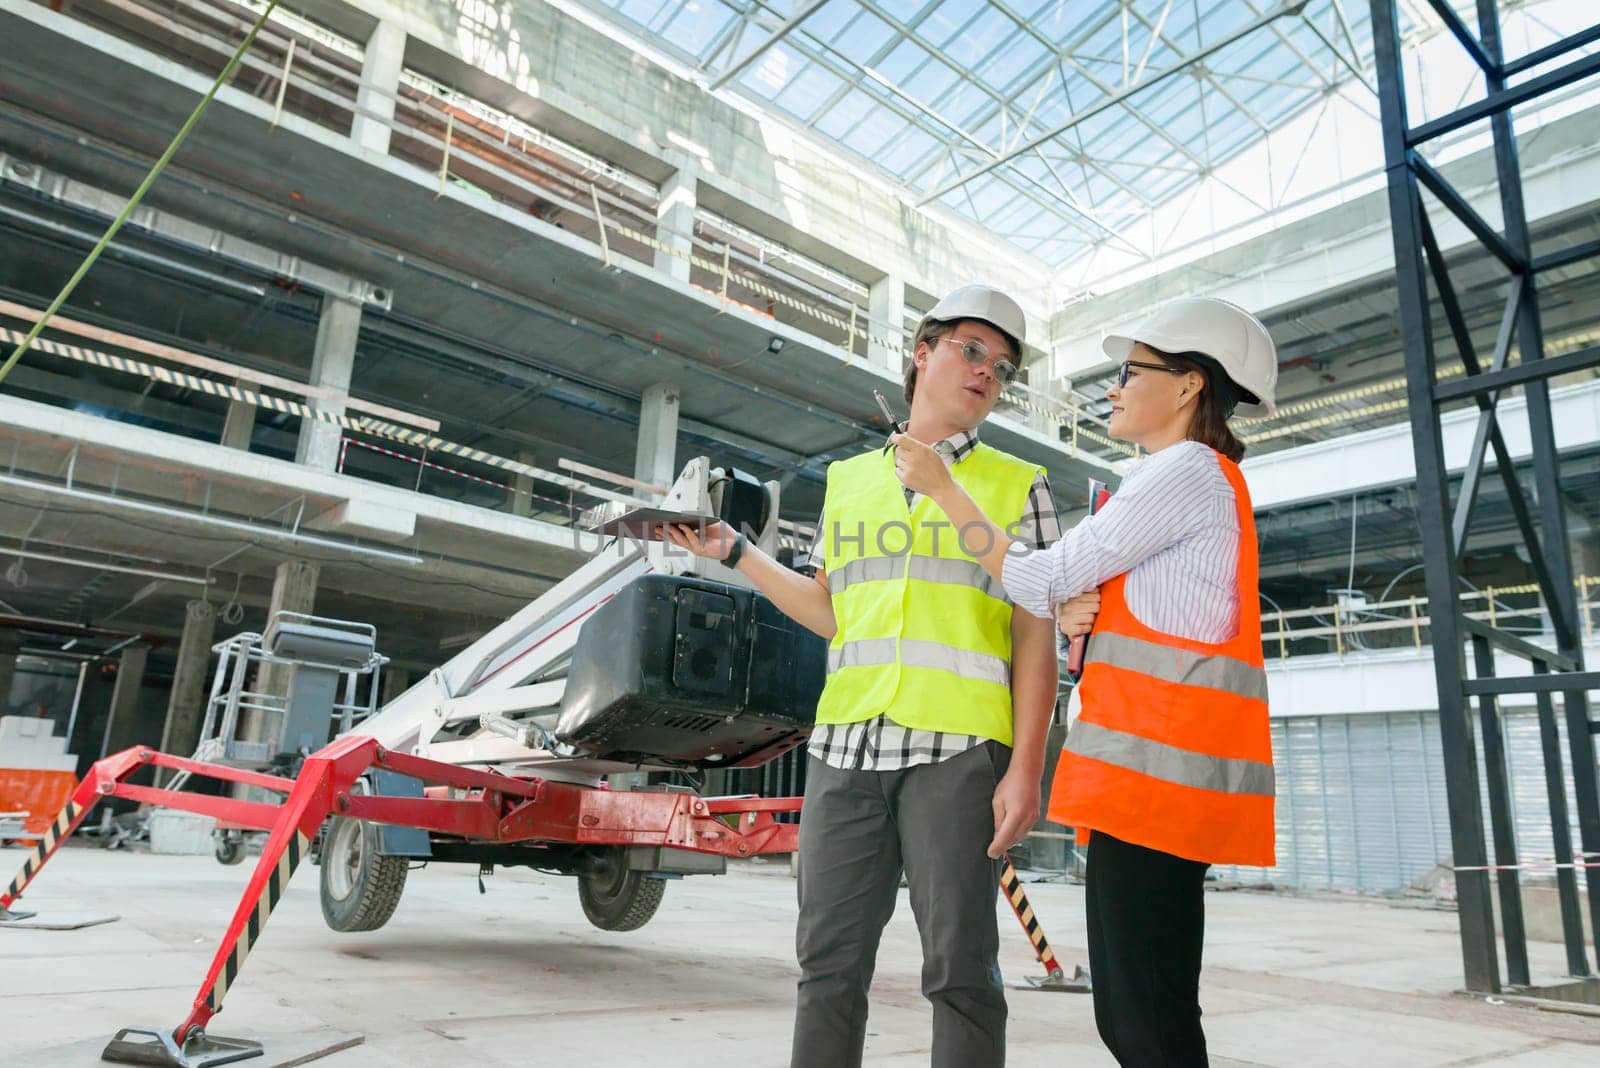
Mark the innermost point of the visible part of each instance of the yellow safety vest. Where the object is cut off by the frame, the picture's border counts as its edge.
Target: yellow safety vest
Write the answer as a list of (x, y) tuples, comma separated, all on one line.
[(924, 634)]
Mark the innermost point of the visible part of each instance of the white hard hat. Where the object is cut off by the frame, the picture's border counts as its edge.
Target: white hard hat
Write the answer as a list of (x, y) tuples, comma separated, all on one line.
[(986, 304), (1227, 333)]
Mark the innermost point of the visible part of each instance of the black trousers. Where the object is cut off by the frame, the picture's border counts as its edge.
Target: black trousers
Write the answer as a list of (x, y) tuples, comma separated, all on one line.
[(1147, 924)]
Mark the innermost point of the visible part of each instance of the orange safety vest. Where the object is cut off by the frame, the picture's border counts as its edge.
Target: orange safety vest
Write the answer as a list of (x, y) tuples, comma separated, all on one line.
[(1173, 749)]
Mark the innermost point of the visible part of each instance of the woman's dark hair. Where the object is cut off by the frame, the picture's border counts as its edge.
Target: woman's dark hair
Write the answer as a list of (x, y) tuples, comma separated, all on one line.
[(932, 331), (1209, 424)]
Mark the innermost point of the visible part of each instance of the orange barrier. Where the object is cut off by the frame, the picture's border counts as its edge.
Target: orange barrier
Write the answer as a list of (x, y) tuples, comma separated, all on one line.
[(38, 792)]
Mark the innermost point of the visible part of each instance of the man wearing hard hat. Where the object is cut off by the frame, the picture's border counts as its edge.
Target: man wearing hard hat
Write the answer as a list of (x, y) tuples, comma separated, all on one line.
[(929, 747), (1168, 765)]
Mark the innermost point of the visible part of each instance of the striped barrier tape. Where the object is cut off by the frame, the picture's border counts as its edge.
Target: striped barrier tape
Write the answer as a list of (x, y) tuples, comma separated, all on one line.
[(458, 473)]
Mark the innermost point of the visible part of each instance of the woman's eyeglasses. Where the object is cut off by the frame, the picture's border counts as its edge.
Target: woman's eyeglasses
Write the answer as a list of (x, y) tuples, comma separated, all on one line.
[(1128, 365), (976, 353)]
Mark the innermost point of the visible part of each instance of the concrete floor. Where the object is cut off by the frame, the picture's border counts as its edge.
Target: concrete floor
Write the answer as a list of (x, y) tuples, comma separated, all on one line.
[(517, 975)]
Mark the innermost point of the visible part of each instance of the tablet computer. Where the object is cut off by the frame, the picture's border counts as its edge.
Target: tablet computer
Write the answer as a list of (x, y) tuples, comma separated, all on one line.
[(645, 524)]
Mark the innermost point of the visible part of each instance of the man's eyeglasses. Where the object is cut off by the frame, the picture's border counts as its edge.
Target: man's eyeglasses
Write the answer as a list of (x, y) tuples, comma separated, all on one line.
[(1129, 365), (976, 353)]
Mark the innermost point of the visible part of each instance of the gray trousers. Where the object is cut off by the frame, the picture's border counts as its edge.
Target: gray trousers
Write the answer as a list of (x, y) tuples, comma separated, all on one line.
[(858, 831)]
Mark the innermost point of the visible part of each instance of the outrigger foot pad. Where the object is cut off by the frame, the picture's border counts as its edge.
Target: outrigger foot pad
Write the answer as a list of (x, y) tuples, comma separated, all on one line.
[(149, 1045), (1058, 981), (10, 916)]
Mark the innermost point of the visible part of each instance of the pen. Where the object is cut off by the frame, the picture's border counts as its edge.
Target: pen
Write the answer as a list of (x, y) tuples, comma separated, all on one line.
[(894, 424)]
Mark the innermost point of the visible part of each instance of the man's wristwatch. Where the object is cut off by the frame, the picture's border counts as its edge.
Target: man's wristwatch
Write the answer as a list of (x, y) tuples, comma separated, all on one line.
[(732, 559)]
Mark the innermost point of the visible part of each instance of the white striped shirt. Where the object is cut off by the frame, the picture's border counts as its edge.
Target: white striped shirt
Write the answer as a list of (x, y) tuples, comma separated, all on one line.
[(1172, 526)]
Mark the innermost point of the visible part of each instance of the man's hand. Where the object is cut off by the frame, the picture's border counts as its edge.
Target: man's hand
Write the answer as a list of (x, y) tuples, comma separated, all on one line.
[(1016, 809), (1076, 617), (713, 542)]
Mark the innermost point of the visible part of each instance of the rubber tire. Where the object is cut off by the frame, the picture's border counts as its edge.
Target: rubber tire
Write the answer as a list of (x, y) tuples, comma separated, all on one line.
[(376, 881), (616, 899), (228, 850)]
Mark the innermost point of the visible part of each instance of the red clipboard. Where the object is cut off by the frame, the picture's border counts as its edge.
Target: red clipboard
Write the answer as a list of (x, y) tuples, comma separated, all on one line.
[(1099, 494)]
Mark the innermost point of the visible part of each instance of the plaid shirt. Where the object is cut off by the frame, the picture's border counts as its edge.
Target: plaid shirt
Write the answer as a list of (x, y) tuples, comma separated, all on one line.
[(881, 744)]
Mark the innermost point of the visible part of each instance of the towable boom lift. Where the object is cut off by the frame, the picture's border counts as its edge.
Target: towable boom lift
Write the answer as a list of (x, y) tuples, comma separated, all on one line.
[(644, 659)]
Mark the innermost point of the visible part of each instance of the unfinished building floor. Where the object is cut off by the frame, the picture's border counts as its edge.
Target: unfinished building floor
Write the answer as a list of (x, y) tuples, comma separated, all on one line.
[(516, 975)]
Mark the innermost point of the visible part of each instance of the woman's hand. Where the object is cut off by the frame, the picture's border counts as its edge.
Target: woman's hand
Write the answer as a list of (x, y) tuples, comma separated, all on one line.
[(919, 468), (1076, 617), (714, 542)]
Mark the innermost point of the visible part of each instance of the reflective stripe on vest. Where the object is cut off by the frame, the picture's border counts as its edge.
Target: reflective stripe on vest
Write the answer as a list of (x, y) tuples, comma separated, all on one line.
[(1181, 666), (875, 652), (1160, 761), (924, 568), (1173, 748), (924, 636)]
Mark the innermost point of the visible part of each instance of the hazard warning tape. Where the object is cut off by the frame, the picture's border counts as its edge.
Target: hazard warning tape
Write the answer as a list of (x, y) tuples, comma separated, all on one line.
[(183, 379), (359, 424), (1543, 863), (270, 896), (362, 424), (1017, 897), (469, 476), (43, 848)]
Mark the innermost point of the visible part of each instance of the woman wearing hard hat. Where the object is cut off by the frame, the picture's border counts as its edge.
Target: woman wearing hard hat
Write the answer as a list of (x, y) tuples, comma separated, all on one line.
[(1169, 761)]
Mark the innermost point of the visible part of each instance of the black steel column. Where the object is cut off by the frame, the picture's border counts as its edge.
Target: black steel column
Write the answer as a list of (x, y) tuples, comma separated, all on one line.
[(1501, 820), (1479, 959), (1542, 525), (1563, 606), (1555, 788)]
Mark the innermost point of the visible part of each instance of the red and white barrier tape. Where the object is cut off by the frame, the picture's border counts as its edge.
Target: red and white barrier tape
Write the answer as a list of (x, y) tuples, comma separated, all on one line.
[(458, 473)]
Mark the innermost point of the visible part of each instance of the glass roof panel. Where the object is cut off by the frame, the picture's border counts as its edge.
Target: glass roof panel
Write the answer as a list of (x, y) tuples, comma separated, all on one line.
[(860, 38), (1131, 102), (692, 26)]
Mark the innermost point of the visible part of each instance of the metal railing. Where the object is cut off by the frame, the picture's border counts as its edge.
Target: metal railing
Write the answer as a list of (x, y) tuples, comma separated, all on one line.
[(246, 655), (1353, 625), (473, 146)]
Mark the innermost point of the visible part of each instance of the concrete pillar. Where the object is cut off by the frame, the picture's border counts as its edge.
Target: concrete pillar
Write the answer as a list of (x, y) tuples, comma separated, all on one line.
[(294, 589), (240, 422), (521, 487), (656, 458), (122, 727), (89, 725), (10, 649), (186, 705), (886, 308), (675, 229), (380, 84), (332, 363)]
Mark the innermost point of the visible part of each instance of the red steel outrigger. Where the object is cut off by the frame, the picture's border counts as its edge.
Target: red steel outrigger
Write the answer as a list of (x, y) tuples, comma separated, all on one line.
[(637, 620), (481, 806)]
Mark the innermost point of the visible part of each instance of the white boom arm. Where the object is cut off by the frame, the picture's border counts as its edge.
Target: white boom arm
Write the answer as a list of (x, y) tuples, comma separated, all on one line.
[(492, 702)]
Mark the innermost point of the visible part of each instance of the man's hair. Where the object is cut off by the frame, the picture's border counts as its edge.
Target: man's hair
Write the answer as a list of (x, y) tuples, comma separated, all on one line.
[(932, 331)]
